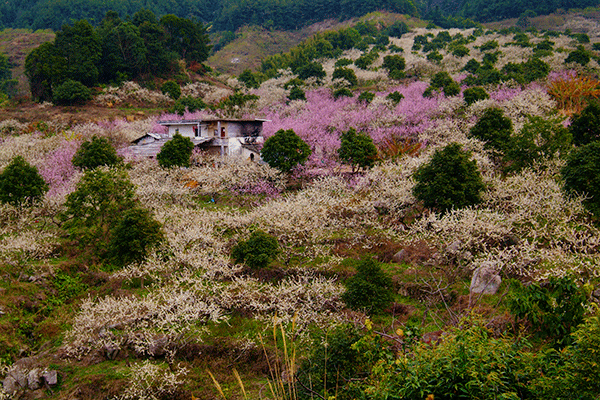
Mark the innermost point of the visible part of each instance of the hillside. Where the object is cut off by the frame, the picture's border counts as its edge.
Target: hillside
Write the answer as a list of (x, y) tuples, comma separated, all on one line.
[(434, 157)]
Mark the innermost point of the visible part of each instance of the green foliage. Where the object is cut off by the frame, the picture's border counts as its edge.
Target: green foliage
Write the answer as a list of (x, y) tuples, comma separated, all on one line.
[(459, 51), (296, 93), (256, 252), (249, 79), (494, 129), (366, 97), (21, 182), (552, 309), (529, 71), (95, 206), (370, 289), (70, 93), (347, 74), (133, 236), (366, 59), (95, 153), (114, 51), (472, 66), (342, 62), (581, 175), (285, 150), (342, 92), (582, 363), (311, 69), (395, 64), (395, 97), (187, 103), (67, 287), (435, 56), (540, 139), (172, 89), (357, 149), (449, 180), (585, 126), (473, 94), (332, 364), (442, 81), (467, 363), (580, 56), (176, 152), (397, 29)]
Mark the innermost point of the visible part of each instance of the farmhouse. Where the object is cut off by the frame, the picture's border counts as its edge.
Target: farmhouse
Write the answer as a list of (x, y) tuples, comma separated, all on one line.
[(226, 137)]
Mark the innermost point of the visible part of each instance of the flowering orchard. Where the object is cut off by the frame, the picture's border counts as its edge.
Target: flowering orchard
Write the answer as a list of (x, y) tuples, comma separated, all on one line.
[(320, 214)]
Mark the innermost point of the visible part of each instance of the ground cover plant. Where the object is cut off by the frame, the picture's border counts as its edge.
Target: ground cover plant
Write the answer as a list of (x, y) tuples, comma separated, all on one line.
[(131, 280)]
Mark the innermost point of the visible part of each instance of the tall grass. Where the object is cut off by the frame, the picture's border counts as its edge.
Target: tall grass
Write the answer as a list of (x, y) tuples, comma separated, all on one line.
[(282, 369)]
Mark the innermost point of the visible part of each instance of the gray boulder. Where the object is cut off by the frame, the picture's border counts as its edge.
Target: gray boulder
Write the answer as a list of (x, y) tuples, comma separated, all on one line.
[(485, 279)]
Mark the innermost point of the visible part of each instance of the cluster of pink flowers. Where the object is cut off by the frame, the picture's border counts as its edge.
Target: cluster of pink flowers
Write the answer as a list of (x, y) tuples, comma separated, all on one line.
[(57, 168)]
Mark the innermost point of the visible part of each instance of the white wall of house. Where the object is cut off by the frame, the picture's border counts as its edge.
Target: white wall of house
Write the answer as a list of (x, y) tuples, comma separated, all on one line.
[(183, 130)]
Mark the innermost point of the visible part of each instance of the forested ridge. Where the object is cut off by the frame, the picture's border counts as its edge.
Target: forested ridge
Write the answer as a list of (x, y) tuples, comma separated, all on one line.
[(221, 14), (229, 15)]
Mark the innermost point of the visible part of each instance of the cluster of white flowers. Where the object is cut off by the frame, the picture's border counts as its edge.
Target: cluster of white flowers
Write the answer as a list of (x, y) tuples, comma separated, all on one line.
[(168, 312), (151, 381), (9, 127), (131, 91), (210, 94)]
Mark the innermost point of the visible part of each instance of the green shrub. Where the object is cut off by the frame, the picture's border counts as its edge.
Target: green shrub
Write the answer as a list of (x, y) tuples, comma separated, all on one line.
[(95, 206), (95, 153), (490, 59), (489, 45), (187, 103), (285, 150), (460, 51), (395, 97), (435, 56), (176, 152), (449, 180), (397, 29), (370, 289), (249, 79), (342, 62), (133, 236), (311, 69), (472, 66), (342, 92), (70, 93), (585, 126), (442, 81), (467, 363), (552, 309), (171, 89), (347, 74), (395, 65), (474, 94), (365, 60), (579, 55), (256, 252), (539, 140), (21, 182), (581, 175), (494, 129), (296, 94), (366, 97), (357, 149)]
